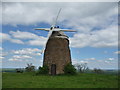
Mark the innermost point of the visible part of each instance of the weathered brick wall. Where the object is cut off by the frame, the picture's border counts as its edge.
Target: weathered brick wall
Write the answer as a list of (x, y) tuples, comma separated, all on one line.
[(57, 52)]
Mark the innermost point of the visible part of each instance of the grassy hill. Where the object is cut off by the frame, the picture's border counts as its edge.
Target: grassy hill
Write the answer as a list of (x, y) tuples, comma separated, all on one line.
[(84, 80)]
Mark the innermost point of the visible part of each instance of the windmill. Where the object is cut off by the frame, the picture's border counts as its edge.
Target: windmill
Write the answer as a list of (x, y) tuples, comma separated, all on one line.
[(53, 27)]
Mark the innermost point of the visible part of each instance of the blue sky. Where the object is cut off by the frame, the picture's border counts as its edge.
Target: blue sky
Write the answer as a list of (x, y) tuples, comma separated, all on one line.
[(94, 43)]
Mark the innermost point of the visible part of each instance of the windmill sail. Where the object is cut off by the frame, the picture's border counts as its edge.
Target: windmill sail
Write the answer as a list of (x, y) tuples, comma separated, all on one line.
[(55, 23), (45, 29)]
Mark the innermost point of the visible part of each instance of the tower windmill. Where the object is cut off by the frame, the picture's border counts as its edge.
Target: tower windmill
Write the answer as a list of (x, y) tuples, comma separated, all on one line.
[(56, 50)]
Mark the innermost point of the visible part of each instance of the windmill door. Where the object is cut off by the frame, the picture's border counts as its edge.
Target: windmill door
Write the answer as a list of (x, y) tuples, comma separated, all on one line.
[(53, 69)]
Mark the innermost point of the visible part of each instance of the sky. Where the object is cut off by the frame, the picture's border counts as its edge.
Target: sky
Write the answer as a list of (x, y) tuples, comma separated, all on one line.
[(94, 43)]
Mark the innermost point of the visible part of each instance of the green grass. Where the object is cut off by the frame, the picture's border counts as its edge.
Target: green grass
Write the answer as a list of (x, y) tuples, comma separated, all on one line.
[(85, 80)]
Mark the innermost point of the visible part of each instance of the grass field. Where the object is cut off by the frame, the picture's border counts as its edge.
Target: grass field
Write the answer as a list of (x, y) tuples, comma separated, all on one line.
[(85, 80)]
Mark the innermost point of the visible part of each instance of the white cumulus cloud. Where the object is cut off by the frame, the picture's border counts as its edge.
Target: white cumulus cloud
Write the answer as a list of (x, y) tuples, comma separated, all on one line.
[(1, 57), (96, 23), (90, 59), (23, 35), (27, 51), (111, 59), (101, 38), (76, 13), (117, 52), (20, 57), (19, 37), (32, 39), (7, 37)]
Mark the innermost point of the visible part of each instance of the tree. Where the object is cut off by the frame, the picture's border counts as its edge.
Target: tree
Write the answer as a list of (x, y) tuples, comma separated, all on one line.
[(99, 71), (81, 67), (69, 69), (19, 70), (30, 68), (43, 70)]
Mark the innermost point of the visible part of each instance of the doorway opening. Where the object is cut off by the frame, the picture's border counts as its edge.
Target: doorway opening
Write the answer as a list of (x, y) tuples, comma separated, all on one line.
[(53, 69)]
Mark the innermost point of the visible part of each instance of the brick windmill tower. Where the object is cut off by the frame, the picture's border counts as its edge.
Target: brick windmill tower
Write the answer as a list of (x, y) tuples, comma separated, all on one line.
[(57, 53), (56, 50)]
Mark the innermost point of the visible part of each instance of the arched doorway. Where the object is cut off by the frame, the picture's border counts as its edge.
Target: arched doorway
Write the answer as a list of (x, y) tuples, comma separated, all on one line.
[(53, 69)]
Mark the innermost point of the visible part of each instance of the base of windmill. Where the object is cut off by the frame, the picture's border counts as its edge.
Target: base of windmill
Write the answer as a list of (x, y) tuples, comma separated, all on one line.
[(57, 53)]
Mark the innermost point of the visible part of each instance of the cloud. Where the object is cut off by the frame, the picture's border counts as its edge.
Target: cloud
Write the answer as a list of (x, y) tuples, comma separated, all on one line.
[(23, 35), (2, 53), (111, 59), (85, 60), (90, 59), (99, 38), (96, 23), (32, 39), (1, 57), (24, 13), (19, 37), (7, 37), (37, 42), (107, 37), (27, 51), (25, 55), (79, 61), (16, 41), (14, 59), (117, 52), (33, 13), (107, 62), (20, 58), (4, 37)]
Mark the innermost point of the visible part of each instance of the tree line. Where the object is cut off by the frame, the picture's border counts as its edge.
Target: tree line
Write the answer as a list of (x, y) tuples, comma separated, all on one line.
[(68, 69)]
